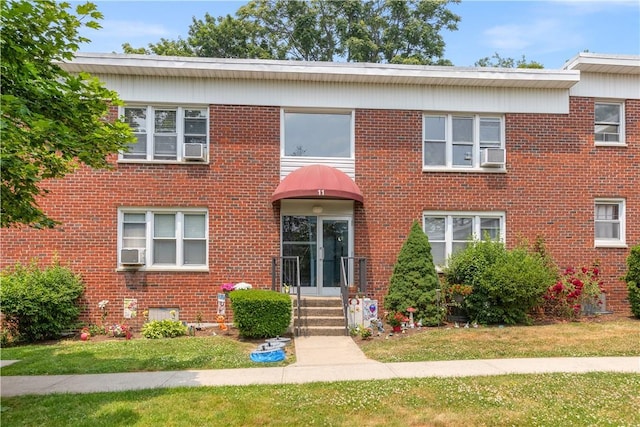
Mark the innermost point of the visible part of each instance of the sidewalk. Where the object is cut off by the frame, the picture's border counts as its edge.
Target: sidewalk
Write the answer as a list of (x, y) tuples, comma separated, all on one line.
[(318, 359)]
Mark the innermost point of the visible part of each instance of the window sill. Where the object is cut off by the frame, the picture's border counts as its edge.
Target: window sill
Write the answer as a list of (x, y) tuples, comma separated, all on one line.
[(163, 162), (464, 170), (611, 144), (122, 269), (620, 245)]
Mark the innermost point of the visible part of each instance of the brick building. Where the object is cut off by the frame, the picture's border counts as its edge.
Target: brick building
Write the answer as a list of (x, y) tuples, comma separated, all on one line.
[(238, 161)]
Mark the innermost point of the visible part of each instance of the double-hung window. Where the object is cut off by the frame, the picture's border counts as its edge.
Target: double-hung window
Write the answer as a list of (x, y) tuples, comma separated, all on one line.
[(609, 123), (167, 133), (164, 238), (609, 219), (450, 232), (463, 141)]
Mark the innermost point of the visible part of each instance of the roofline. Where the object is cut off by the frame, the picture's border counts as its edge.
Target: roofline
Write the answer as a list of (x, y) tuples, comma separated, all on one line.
[(608, 63), (151, 65)]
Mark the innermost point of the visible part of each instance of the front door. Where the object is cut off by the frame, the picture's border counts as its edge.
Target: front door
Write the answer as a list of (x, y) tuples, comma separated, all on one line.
[(320, 242)]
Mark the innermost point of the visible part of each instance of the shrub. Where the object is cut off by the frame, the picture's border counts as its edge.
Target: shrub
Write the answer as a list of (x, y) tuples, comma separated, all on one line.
[(414, 280), (507, 285), (166, 328), (633, 280), (41, 304), (260, 313), (575, 288)]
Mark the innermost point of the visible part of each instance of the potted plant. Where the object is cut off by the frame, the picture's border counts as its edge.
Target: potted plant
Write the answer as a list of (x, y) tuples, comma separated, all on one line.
[(395, 319)]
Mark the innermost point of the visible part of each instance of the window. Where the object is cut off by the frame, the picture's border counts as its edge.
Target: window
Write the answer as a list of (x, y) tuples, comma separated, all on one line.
[(167, 238), (450, 232), (459, 141), (161, 132), (609, 219), (609, 123), (327, 135)]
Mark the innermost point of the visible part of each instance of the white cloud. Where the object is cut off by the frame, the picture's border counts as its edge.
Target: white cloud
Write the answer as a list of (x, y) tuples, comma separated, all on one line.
[(132, 29), (540, 36)]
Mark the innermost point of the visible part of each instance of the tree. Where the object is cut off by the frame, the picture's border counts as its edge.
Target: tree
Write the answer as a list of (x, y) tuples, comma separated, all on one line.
[(391, 31), (51, 121), (414, 280), (497, 61)]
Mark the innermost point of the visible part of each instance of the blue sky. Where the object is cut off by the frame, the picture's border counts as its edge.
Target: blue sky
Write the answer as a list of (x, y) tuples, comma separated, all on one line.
[(550, 32)]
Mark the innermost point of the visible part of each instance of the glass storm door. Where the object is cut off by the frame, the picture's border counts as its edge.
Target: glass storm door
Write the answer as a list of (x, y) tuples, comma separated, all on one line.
[(320, 242)]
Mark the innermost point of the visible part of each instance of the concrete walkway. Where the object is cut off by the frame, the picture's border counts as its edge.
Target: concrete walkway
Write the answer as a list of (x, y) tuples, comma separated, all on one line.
[(318, 359)]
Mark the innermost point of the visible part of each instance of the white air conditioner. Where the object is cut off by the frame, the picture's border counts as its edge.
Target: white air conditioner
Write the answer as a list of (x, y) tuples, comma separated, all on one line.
[(492, 158), (132, 256), (194, 151)]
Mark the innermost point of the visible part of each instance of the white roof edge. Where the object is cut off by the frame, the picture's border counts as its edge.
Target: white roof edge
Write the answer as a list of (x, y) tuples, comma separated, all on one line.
[(112, 63), (603, 62)]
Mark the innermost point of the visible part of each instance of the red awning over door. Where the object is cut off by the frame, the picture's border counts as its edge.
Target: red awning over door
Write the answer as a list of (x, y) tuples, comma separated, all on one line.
[(317, 182)]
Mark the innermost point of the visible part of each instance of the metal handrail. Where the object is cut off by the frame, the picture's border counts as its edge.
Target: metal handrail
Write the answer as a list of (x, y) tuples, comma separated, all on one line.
[(279, 284), (361, 286)]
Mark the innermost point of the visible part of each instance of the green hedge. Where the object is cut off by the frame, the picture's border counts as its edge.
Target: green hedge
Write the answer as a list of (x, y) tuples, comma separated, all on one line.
[(40, 303), (633, 280), (507, 284), (259, 313)]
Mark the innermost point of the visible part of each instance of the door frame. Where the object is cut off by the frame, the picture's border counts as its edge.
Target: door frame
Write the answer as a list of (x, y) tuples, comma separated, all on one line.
[(323, 209)]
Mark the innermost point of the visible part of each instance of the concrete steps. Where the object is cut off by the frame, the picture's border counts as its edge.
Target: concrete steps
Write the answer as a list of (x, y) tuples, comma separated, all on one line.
[(319, 316)]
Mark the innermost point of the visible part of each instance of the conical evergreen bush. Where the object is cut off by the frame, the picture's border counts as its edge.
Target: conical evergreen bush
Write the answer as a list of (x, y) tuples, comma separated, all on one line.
[(414, 280)]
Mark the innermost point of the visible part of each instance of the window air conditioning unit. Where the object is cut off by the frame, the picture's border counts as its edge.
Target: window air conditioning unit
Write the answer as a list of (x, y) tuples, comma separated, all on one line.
[(132, 256), (194, 151), (492, 158)]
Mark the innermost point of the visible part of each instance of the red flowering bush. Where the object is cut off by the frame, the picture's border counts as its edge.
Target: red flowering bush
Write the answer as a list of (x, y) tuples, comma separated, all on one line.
[(574, 289)]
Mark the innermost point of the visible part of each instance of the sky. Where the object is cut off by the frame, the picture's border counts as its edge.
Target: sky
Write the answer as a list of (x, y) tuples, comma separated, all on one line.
[(550, 32)]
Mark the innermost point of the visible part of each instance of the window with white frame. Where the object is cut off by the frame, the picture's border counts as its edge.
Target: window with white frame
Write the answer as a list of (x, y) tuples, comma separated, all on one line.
[(164, 238), (167, 133), (318, 134), (463, 141), (609, 222), (450, 232), (609, 123)]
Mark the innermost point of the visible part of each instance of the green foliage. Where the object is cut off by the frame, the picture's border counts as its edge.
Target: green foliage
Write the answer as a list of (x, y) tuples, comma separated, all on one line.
[(497, 61), (506, 284), (40, 304), (406, 31), (260, 313), (414, 280), (51, 121), (166, 328), (633, 280)]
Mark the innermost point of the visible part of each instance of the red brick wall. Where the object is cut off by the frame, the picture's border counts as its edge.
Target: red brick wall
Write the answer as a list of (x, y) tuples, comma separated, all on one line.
[(235, 187), (554, 172)]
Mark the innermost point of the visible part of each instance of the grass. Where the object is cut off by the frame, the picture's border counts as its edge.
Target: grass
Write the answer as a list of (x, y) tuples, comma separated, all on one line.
[(98, 357), (571, 339), (522, 400)]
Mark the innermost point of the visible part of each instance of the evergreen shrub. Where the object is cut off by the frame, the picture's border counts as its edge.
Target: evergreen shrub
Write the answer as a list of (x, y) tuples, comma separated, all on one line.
[(633, 280), (260, 313), (414, 280)]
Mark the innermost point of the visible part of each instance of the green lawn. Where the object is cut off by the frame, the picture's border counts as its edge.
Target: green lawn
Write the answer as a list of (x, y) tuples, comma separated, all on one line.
[(573, 339), (602, 399), (566, 400), (119, 355)]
